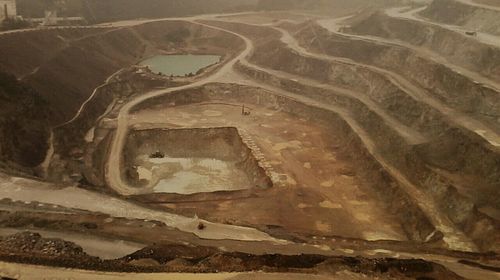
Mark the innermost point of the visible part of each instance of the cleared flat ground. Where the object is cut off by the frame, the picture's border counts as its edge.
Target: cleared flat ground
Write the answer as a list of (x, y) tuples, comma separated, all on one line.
[(316, 186)]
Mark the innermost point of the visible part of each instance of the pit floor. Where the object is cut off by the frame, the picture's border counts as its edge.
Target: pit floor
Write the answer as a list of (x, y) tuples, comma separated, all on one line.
[(191, 175), (319, 191)]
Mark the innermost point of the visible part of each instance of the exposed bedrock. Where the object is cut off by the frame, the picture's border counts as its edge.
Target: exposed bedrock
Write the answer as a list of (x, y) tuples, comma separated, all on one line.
[(186, 146), (480, 154), (78, 64), (380, 89), (80, 136), (397, 103), (457, 13), (414, 222), (444, 84), (424, 166), (478, 160), (75, 62), (359, 80), (456, 47)]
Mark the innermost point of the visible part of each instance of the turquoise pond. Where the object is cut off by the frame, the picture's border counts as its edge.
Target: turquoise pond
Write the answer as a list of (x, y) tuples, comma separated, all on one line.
[(179, 65)]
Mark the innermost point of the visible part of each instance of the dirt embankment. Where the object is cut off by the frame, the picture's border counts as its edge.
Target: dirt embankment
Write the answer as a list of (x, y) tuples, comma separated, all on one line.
[(414, 222), (443, 83), (458, 48), (457, 13), (221, 143), (22, 117), (411, 161), (65, 66), (361, 81), (21, 53), (360, 51), (461, 154), (75, 66), (32, 248), (208, 259), (79, 137)]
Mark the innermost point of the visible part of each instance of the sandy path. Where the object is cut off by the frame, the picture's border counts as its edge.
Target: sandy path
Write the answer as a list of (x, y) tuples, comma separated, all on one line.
[(27, 190)]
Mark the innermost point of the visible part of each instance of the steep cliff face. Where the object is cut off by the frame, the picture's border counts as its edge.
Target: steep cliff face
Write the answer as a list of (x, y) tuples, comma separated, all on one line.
[(456, 13), (447, 156), (439, 80), (23, 117), (457, 48)]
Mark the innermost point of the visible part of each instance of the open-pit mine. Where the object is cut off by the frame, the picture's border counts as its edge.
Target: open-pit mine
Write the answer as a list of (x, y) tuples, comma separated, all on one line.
[(350, 142)]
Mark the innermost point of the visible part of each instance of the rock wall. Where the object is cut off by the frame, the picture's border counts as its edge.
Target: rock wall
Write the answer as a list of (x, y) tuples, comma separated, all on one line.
[(415, 162), (222, 143), (456, 13), (462, 156), (441, 82), (457, 48), (413, 220)]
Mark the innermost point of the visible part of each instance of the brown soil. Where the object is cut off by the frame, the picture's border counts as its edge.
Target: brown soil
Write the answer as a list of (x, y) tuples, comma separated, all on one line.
[(338, 144), (33, 248)]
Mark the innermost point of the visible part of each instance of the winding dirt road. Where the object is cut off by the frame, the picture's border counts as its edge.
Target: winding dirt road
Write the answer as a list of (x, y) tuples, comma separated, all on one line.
[(419, 94), (476, 4), (454, 237), (20, 189), (77, 198)]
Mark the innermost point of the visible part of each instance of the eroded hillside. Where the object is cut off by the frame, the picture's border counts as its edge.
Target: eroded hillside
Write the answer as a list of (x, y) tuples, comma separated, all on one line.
[(362, 146)]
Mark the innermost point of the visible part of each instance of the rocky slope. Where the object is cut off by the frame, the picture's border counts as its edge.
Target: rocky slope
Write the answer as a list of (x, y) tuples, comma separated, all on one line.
[(414, 160), (457, 13), (28, 247), (65, 66), (23, 118), (454, 46)]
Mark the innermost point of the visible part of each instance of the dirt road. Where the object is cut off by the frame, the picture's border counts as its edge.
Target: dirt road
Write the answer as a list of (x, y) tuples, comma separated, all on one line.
[(27, 190), (404, 13), (476, 4), (419, 94), (453, 237)]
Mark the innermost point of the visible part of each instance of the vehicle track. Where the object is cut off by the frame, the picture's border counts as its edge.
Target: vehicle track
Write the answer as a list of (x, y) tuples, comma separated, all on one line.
[(454, 237), (453, 116)]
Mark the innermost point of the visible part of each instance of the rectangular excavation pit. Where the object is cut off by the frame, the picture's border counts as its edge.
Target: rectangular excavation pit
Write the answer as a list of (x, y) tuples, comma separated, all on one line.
[(191, 160)]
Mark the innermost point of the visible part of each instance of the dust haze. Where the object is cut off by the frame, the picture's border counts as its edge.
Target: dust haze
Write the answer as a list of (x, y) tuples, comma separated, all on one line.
[(250, 139)]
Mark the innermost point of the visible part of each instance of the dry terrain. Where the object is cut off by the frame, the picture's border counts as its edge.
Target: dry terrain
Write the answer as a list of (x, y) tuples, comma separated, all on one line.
[(358, 145)]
